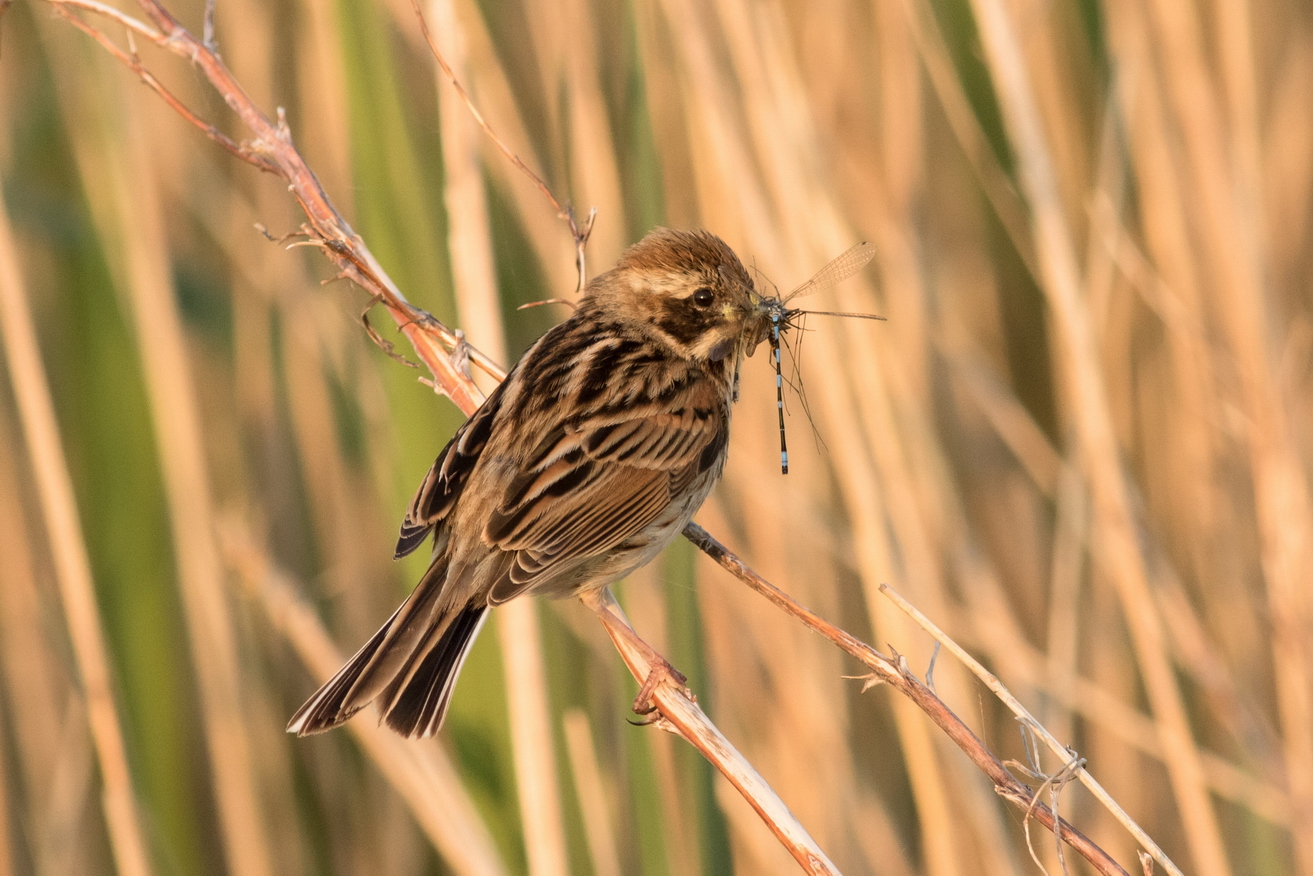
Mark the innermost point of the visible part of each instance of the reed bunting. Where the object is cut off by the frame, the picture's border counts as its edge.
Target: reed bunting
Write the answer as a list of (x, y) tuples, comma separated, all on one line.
[(584, 463)]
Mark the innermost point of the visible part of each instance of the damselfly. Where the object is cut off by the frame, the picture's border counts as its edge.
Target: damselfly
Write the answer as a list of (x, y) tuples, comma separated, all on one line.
[(783, 318)]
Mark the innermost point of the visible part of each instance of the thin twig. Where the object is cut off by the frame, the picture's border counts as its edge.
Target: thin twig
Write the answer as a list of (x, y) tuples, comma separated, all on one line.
[(133, 63), (580, 234), (895, 672), (1033, 725)]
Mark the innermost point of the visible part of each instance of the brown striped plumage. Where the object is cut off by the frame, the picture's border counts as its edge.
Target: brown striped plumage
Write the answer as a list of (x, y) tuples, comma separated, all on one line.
[(590, 458)]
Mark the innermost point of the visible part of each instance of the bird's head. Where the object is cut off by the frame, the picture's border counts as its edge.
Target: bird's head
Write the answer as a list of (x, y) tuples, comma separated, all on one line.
[(689, 291)]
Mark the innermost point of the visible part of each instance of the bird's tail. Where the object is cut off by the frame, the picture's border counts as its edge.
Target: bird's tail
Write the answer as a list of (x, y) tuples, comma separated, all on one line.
[(416, 700), (410, 666)]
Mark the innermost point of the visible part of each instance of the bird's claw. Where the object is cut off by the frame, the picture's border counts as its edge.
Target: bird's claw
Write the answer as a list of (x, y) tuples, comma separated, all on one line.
[(644, 705)]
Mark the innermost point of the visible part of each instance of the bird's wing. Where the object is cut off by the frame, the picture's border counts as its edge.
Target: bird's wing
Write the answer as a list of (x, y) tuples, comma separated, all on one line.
[(442, 486), (594, 483)]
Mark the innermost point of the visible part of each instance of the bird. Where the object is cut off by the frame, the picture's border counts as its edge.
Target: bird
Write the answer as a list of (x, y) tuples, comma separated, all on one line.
[(589, 458)]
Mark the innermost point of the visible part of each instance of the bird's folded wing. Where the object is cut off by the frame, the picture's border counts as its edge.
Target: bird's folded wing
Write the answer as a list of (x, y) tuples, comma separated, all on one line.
[(592, 485), (442, 485)]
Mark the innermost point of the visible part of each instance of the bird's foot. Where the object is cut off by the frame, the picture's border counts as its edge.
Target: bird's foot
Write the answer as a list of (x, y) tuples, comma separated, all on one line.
[(660, 671)]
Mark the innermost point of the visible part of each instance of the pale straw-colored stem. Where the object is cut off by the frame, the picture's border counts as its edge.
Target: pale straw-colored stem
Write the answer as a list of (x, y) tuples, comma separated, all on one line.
[(680, 714), (536, 783), (135, 222), (72, 568), (1115, 541), (519, 632), (594, 803), (423, 775), (1033, 726), (1220, 164)]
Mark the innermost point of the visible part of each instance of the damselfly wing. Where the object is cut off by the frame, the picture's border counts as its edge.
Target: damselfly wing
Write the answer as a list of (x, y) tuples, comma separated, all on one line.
[(782, 318)]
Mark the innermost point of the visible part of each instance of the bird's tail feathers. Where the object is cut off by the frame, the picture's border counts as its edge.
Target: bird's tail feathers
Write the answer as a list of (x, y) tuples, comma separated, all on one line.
[(333, 704), (415, 702), (413, 661)]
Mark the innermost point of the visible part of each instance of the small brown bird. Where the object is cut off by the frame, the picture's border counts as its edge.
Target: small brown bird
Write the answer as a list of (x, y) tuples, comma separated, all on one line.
[(581, 466)]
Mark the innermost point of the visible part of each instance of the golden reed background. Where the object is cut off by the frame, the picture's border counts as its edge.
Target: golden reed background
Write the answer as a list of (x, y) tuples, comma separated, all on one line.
[(1080, 444)]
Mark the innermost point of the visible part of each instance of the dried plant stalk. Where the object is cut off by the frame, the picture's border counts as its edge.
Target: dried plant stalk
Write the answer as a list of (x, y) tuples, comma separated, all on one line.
[(72, 566)]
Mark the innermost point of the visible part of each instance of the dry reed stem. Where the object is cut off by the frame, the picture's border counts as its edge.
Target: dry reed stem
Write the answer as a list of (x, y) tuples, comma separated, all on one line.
[(422, 774), (1033, 726), (72, 567), (1116, 543), (1002, 195), (6, 813), (137, 227), (474, 280), (1178, 281), (678, 814), (48, 756), (537, 787), (680, 714), (594, 803), (1223, 171)]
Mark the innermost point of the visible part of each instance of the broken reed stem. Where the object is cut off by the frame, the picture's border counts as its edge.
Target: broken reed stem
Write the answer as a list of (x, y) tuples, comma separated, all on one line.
[(271, 150)]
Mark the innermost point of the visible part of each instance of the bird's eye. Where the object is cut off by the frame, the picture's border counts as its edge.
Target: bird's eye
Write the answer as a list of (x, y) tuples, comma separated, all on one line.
[(703, 297)]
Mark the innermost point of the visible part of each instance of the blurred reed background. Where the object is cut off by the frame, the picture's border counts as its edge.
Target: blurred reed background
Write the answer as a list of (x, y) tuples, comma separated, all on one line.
[(1080, 443)]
